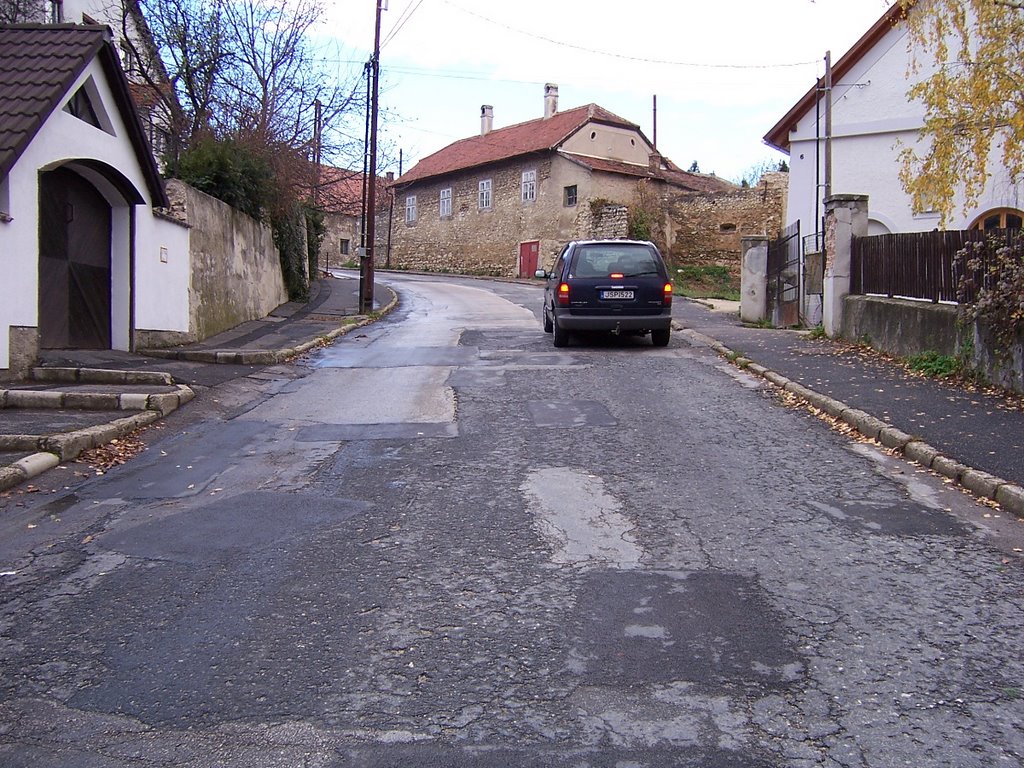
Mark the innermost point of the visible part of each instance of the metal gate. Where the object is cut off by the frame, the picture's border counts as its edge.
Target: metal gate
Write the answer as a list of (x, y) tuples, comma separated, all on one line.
[(784, 278)]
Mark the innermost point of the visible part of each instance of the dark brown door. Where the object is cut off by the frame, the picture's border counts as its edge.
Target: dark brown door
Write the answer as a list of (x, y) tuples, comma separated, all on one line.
[(74, 263)]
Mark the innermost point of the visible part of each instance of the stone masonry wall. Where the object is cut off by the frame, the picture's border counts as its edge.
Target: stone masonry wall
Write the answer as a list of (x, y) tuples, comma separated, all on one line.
[(472, 240), (706, 229), (236, 269)]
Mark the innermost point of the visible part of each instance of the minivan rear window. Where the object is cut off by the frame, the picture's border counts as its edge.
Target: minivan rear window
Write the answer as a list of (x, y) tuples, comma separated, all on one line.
[(603, 259)]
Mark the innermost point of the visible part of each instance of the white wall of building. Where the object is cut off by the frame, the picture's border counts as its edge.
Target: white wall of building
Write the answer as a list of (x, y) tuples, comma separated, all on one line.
[(872, 119), (161, 298)]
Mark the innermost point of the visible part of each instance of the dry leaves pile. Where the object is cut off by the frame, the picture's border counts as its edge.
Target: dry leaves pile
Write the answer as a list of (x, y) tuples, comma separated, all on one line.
[(113, 454)]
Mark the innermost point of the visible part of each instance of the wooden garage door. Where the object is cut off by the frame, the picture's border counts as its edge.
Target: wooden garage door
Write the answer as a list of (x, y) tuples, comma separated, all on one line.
[(74, 263)]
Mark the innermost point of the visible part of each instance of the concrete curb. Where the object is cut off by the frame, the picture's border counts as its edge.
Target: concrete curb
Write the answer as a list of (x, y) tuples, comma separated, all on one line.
[(51, 450), (96, 401), (1008, 495), (268, 356)]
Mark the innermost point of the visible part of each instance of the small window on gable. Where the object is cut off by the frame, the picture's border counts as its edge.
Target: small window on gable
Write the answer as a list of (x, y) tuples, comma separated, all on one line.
[(445, 204), (484, 195), (86, 105), (410, 209), (569, 196)]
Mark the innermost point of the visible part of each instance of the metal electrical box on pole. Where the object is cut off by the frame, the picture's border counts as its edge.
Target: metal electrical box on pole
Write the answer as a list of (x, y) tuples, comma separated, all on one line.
[(370, 213)]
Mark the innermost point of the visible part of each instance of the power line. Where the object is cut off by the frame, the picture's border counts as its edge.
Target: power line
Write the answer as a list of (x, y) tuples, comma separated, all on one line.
[(622, 56), (406, 15)]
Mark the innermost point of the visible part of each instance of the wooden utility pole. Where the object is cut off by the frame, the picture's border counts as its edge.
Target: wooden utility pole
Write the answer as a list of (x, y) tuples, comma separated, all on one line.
[(370, 214)]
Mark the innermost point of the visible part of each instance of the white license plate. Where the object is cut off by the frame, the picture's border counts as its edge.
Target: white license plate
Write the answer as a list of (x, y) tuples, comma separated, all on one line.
[(616, 294)]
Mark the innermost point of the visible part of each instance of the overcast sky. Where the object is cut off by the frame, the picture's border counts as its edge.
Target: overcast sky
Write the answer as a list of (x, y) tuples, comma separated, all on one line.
[(724, 71)]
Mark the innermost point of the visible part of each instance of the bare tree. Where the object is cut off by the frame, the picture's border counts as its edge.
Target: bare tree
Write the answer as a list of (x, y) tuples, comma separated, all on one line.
[(23, 11)]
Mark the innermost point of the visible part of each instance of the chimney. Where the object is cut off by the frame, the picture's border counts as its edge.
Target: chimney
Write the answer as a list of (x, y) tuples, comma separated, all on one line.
[(550, 100), (486, 119)]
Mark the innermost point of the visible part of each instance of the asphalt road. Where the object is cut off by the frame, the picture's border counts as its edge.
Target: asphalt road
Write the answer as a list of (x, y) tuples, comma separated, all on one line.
[(442, 542)]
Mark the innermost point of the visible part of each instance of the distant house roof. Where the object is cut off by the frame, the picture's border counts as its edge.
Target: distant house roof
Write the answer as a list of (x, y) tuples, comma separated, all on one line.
[(38, 65), (540, 135), (341, 191), (666, 171), (778, 136), (547, 135)]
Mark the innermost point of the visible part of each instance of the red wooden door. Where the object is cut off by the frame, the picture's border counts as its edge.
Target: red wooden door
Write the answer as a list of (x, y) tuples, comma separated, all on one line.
[(529, 253)]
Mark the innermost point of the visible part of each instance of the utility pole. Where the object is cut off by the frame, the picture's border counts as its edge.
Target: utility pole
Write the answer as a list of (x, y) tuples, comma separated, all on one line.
[(370, 214), (318, 117), (828, 124)]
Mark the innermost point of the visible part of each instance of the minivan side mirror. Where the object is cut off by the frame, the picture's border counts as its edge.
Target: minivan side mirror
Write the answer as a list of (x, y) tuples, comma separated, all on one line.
[(541, 273)]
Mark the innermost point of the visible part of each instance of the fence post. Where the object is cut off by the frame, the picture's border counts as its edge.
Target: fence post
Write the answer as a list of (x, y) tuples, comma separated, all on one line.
[(754, 279), (846, 217)]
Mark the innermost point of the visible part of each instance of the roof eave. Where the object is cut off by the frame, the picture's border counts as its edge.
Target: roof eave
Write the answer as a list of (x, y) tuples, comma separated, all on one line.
[(778, 136)]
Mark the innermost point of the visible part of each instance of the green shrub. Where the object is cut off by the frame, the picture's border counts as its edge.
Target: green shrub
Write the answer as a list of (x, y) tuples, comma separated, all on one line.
[(232, 172), (935, 365)]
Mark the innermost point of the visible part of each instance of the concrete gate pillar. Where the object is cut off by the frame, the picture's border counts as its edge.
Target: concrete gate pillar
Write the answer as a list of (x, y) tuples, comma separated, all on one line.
[(846, 217), (754, 279)]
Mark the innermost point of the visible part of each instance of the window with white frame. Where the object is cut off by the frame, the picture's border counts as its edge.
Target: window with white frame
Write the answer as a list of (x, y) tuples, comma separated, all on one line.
[(484, 195), (410, 209), (446, 202), (529, 186)]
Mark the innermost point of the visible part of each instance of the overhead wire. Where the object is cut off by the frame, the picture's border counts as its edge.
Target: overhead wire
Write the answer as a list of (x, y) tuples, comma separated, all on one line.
[(622, 56)]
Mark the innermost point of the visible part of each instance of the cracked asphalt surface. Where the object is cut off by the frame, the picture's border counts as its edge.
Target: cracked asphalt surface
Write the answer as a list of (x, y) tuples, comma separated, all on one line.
[(604, 556)]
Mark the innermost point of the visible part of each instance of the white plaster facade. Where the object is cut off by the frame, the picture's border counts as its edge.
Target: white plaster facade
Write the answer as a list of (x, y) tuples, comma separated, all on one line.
[(872, 119), (154, 248)]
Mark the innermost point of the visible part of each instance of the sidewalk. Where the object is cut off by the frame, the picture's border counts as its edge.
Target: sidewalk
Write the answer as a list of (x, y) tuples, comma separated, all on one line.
[(975, 439), (81, 399)]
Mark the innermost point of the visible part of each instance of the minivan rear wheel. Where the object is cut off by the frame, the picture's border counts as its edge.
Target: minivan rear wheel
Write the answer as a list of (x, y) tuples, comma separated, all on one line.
[(561, 336), (661, 336)]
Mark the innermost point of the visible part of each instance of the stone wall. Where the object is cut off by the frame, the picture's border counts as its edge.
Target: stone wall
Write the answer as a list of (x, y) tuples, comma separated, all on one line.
[(235, 266), (902, 328), (706, 228)]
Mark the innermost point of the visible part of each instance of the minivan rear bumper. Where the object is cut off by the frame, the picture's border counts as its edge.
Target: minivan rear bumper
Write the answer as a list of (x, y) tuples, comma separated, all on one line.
[(612, 322)]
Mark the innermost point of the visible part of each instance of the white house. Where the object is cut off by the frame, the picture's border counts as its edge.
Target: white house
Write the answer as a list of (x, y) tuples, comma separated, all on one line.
[(87, 261), (871, 117)]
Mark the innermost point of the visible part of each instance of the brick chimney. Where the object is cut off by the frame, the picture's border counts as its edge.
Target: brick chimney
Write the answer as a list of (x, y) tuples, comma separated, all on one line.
[(550, 100), (486, 119)]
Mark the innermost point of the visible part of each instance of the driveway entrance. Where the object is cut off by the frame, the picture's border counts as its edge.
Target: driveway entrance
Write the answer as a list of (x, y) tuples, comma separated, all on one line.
[(74, 263)]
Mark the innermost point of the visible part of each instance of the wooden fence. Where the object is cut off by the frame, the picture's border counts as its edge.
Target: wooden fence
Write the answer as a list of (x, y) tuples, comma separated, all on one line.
[(920, 265)]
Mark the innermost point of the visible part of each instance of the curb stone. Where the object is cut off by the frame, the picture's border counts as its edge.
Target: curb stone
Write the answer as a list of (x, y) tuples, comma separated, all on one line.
[(1008, 495)]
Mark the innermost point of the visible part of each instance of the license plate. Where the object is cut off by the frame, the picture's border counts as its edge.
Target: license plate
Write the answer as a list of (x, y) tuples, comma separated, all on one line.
[(616, 294)]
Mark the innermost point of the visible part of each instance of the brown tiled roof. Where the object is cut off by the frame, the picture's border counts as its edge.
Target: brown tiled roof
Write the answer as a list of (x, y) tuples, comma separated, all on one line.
[(778, 136), (540, 135), (671, 174), (38, 64)]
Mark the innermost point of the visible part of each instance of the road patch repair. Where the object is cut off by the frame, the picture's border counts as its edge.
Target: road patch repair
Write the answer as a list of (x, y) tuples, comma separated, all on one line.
[(85, 399)]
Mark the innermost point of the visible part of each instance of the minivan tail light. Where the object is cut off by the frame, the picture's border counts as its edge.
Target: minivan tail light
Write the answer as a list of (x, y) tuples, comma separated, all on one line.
[(667, 295), (563, 294)]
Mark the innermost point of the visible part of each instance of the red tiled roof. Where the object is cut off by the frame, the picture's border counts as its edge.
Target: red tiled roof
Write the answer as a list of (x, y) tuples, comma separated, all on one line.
[(778, 136), (38, 64), (540, 135), (341, 191), (693, 182)]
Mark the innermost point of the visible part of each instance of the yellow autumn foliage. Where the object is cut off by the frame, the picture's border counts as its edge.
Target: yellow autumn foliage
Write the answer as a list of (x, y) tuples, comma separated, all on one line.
[(973, 99)]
